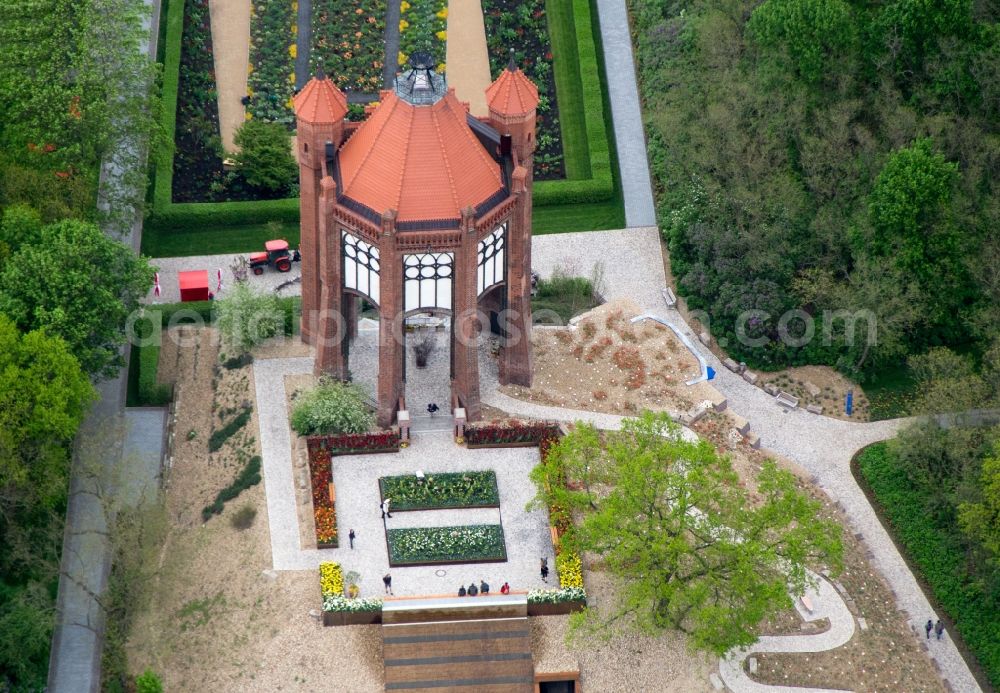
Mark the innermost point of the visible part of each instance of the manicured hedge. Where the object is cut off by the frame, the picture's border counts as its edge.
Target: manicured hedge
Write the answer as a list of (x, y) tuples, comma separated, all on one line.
[(936, 552), (147, 352), (446, 490), (427, 545)]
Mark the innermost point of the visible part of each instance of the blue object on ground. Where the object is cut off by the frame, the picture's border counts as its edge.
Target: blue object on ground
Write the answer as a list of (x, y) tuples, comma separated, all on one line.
[(711, 372)]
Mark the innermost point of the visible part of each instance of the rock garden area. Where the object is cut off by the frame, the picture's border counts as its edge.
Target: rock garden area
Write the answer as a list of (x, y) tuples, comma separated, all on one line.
[(607, 364)]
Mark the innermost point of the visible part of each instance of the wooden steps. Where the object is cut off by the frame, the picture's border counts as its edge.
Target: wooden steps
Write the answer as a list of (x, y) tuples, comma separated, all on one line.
[(481, 656)]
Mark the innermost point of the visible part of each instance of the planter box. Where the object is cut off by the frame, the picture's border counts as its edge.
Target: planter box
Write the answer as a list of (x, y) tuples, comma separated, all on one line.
[(334, 545), (556, 609), (351, 618), (444, 507), (521, 444)]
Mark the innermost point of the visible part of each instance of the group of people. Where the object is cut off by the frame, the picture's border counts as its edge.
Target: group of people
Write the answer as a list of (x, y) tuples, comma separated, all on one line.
[(484, 588), (938, 628)]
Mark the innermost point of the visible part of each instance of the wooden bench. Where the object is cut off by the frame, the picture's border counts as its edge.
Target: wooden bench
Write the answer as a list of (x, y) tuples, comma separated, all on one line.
[(787, 400), (333, 493), (668, 297)]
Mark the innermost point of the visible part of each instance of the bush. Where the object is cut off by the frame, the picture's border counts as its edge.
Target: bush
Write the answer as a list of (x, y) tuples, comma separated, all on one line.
[(341, 603), (332, 408), (244, 517), (265, 156), (246, 317), (221, 435), (250, 476), (148, 682)]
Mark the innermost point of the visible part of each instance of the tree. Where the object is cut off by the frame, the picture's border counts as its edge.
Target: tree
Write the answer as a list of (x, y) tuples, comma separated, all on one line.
[(690, 547), (265, 157), (246, 317), (815, 33), (80, 285), (43, 397), (981, 520), (332, 408)]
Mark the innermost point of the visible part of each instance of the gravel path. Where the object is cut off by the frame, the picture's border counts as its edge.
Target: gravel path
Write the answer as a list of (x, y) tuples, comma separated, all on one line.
[(303, 43), (231, 51), (827, 604), (466, 57), (169, 267)]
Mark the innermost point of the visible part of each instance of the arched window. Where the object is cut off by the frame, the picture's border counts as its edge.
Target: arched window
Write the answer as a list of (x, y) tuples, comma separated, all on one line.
[(427, 280), (361, 266), (492, 255)]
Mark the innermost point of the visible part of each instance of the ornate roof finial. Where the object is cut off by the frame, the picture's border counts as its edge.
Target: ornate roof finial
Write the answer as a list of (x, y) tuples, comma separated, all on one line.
[(511, 65)]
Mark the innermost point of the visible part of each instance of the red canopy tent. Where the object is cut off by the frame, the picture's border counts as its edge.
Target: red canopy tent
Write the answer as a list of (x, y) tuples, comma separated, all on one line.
[(194, 285)]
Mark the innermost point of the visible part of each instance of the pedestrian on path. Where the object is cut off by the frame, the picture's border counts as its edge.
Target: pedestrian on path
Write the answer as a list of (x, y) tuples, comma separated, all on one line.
[(928, 627), (387, 581), (385, 508), (505, 588), (432, 408), (545, 569), (939, 629), (350, 537)]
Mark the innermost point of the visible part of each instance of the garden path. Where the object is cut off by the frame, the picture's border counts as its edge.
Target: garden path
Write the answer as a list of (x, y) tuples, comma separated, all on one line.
[(467, 59), (231, 50), (356, 481)]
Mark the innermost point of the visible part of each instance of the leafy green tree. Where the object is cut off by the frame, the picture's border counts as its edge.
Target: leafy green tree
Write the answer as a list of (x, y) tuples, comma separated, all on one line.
[(246, 317), (690, 547), (981, 520), (265, 157), (331, 408), (816, 34), (920, 23), (20, 225), (43, 397), (80, 285)]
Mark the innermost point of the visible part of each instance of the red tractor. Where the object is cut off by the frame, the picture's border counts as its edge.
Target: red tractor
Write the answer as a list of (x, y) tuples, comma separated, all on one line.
[(276, 255)]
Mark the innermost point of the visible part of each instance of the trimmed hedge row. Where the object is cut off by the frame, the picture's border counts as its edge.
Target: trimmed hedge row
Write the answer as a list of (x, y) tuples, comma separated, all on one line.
[(221, 435), (167, 215), (151, 393), (937, 552)]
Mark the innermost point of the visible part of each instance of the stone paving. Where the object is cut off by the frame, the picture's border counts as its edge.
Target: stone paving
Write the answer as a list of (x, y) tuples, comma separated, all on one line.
[(231, 50), (355, 478), (169, 267)]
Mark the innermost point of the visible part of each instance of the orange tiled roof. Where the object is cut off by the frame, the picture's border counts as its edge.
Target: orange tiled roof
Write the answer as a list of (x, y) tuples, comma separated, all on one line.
[(422, 161), (512, 94), (320, 102)]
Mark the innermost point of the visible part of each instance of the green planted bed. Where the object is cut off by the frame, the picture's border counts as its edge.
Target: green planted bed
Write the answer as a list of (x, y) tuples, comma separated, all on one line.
[(448, 490), (429, 545)]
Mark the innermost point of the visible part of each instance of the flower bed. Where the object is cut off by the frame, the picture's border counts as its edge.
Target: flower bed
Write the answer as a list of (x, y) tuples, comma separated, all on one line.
[(356, 443), (432, 545), (449, 490), (271, 72), (423, 26), (348, 43), (556, 602), (341, 611), (521, 24), (570, 570), (331, 579), (510, 433), (324, 510)]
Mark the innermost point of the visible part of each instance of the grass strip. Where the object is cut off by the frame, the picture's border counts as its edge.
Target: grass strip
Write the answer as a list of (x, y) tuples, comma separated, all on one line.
[(569, 88)]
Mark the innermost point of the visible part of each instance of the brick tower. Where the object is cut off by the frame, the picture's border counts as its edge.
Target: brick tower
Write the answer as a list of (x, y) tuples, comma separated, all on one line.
[(420, 208)]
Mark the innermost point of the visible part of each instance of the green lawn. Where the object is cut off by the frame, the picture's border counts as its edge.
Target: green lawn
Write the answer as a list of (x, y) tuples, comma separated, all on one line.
[(569, 88), (226, 239), (597, 216)]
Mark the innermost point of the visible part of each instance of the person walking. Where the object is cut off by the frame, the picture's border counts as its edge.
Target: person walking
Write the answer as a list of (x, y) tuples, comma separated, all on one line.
[(350, 537), (432, 408), (928, 627), (461, 591), (939, 629), (545, 569), (385, 508), (387, 581)]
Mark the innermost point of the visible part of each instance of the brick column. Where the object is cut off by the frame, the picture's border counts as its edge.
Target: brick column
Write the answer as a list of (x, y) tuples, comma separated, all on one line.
[(516, 362), (309, 202), (465, 383), (390, 348), (329, 334)]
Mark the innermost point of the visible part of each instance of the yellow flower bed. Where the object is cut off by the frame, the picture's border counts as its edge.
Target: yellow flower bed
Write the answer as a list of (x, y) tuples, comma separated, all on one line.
[(570, 570), (404, 6), (403, 24), (293, 50), (331, 579), (401, 58)]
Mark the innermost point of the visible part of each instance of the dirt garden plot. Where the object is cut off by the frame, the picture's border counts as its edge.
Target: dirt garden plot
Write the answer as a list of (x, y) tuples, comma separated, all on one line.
[(219, 618), (608, 364), (823, 386)]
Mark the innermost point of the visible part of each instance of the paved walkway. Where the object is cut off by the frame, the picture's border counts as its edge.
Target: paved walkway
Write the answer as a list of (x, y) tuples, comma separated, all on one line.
[(231, 51), (640, 210), (466, 57), (827, 604), (356, 481)]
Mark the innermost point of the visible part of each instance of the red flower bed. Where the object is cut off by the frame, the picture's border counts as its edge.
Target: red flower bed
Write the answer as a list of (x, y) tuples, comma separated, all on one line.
[(356, 443), (511, 433), (324, 512)]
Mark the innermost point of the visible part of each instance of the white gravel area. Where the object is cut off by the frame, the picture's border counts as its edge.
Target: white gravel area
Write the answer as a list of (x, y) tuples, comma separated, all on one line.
[(169, 267)]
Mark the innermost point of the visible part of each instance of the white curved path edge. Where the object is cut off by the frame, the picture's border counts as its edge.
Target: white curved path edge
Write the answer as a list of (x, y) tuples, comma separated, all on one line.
[(827, 603)]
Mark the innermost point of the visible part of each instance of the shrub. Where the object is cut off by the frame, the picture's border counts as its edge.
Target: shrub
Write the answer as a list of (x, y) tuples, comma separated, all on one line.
[(570, 569), (249, 476), (244, 517), (221, 435), (148, 682), (559, 596), (332, 407), (246, 317), (355, 443), (265, 156)]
